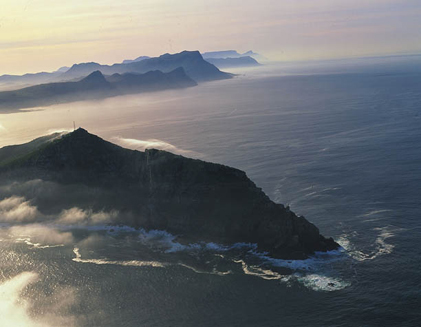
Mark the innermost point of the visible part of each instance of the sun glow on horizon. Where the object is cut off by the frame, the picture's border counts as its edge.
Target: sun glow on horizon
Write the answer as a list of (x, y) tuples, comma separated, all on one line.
[(43, 35)]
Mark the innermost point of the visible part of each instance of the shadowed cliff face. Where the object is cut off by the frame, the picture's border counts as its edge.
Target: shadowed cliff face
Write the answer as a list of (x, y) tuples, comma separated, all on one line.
[(197, 200)]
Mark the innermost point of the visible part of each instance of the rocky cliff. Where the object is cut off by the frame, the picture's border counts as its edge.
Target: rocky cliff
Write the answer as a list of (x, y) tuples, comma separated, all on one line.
[(197, 200)]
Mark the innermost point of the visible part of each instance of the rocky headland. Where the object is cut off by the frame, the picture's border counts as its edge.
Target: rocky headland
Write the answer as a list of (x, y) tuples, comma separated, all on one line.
[(194, 199)]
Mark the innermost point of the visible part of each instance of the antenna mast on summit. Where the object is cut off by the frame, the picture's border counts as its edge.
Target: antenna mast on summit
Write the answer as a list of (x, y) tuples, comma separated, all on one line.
[(74, 126)]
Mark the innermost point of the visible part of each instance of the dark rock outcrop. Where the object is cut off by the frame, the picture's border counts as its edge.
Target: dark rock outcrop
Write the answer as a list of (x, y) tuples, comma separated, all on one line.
[(197, 200)]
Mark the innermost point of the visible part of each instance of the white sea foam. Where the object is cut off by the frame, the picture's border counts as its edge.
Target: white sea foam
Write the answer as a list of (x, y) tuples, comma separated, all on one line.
[(318, 193), (166, 241), (319, 282), (330, 189), (313, 281), (163, 240), (374, 212), (310, 194), (213, 272), (381, 246), (374, 215), (259, 272), (314, 262), (27, 241), (39, 236), (131, 263)]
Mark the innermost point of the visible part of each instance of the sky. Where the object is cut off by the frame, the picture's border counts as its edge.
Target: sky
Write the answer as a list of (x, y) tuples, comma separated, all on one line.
[(43, 35)]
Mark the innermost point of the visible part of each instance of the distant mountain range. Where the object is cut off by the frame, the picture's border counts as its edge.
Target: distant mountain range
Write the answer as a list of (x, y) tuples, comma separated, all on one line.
[(223, 63), (87, 81), (231, 54), (94, 86), (232, 58), (191, 61)]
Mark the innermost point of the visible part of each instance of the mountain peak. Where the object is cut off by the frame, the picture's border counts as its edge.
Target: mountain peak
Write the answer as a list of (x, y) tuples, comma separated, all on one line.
[(95, 76), (95, 79), (80, 131), (84, 64), (183, 54), (82, 135)]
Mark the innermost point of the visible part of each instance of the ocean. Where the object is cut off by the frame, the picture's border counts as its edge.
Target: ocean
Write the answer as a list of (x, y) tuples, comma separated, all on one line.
[(337, 141)]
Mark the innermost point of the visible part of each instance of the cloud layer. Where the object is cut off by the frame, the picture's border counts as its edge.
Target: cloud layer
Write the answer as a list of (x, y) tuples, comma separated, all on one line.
[(77, 216), (287, 29), (17, 209), (142, 145)]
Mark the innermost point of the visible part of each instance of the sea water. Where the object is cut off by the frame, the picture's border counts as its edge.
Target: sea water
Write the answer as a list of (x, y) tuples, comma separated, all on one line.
[(339, 142)]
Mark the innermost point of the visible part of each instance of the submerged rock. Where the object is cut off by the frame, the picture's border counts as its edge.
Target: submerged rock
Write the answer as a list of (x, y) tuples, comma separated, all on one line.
[(155, 189)]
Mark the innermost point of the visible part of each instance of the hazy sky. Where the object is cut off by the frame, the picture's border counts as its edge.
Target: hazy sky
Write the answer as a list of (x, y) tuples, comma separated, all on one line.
[(38, 35)]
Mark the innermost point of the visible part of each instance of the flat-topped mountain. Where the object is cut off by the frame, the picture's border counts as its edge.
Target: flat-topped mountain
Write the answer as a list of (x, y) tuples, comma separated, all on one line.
[(233, 62), (94, 86), (232, 58), (231, 54), (222, 54), (196, 200)]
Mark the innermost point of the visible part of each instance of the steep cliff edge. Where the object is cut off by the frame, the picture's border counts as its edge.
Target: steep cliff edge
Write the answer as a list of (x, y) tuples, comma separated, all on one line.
[(197, 200)]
